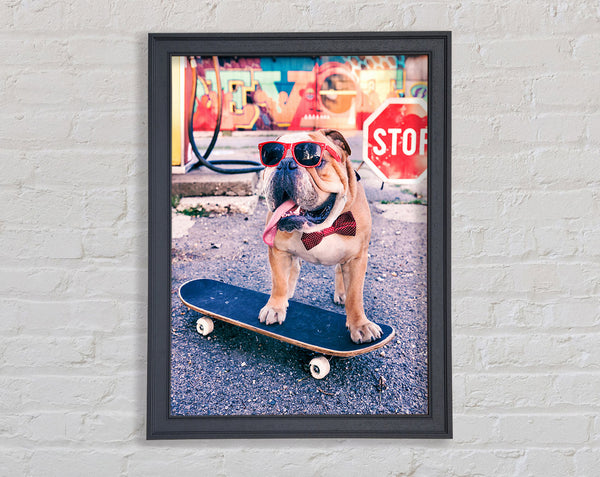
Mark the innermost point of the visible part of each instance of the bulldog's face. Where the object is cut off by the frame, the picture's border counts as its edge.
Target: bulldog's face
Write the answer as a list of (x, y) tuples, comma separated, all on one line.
[(308, 199)]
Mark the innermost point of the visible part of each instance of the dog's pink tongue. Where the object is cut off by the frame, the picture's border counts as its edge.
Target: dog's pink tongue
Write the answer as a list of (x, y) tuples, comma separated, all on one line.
[(271, 228)]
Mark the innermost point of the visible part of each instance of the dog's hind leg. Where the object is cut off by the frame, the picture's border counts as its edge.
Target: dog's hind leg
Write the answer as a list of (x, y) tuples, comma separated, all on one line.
[(294, 273), (339, 295)]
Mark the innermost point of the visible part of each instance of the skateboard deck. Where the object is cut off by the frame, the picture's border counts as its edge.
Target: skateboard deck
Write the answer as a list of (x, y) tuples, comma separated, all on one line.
[(305, 326)]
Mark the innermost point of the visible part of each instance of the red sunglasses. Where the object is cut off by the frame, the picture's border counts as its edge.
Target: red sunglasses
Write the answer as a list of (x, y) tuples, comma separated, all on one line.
[(305, 153)]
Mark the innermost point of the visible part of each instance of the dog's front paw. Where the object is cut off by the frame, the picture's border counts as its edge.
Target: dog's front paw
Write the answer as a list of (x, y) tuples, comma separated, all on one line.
[(271, 314), (365, 333)]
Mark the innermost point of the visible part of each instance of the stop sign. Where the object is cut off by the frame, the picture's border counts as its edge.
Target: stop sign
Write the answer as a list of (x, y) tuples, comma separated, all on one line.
[(395, 140)]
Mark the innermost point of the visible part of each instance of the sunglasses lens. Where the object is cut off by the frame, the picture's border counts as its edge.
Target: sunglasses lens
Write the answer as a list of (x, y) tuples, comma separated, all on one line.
[(307, 153), (272, 153)]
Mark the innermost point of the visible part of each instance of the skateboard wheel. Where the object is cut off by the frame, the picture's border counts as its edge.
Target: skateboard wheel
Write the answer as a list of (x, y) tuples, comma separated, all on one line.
[(204, 326), (319, 367)]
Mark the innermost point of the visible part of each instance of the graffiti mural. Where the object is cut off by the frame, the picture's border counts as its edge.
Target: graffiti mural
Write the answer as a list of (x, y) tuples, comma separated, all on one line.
[(299, 93)]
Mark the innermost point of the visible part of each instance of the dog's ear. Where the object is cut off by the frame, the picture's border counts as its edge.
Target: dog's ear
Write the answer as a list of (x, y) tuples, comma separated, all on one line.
[(337, 138)]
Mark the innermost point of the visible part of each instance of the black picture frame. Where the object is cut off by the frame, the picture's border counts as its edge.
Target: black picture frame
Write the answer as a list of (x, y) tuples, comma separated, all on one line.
[(438, 422)]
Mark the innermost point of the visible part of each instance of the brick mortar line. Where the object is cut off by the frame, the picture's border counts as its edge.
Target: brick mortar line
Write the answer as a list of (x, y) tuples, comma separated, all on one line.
[(517, 331)]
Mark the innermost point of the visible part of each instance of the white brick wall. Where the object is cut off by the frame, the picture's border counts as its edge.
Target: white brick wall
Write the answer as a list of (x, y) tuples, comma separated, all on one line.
[(526, 239)]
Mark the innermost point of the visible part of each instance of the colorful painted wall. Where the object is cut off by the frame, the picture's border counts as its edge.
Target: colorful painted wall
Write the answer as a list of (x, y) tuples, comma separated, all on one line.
[(299, 93)]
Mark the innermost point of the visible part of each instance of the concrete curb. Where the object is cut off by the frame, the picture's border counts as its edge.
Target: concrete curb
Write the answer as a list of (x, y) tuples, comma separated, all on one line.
[(219, 205)]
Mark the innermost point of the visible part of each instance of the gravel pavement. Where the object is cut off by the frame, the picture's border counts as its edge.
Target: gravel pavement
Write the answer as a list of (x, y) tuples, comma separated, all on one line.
[(237, 372)]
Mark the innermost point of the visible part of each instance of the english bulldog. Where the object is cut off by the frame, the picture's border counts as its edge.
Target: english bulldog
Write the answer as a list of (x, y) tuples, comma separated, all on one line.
[(318, 212)]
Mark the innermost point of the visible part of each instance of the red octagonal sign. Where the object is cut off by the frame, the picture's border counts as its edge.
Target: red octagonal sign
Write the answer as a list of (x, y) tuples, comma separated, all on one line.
[(395, 140)]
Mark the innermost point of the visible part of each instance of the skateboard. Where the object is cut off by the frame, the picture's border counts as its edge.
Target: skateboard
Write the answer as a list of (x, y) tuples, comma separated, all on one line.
[(305, 326)]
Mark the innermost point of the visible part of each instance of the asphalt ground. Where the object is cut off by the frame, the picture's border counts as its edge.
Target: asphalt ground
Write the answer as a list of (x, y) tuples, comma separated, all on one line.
[(238, 372)]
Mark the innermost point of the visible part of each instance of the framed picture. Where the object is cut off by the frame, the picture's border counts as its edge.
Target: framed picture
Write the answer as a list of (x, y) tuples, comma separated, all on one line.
[(299, 235)]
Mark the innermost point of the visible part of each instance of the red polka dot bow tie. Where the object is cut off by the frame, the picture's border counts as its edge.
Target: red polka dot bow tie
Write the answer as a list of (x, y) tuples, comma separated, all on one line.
[(343, 225)]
